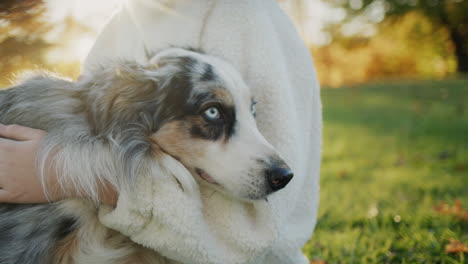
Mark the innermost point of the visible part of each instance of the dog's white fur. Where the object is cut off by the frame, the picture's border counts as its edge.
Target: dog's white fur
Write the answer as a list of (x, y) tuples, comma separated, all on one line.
[(260, 41), (234, 165)]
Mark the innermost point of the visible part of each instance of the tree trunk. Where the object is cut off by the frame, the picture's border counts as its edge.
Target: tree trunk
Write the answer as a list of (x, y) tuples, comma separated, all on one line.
[(460, 41), (459, 38)]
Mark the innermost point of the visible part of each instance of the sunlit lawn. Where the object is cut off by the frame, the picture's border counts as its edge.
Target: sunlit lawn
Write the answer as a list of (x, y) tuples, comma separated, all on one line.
[(391, 153)]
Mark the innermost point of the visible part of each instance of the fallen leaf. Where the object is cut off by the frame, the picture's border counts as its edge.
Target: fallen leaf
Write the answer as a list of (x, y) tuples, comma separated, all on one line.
[(455, 247), (342, 174), (456, 210), (318, 261), (460, 167), (457, 207)]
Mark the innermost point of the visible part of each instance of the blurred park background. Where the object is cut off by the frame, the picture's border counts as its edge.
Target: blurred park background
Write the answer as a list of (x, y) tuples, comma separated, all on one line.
[(394, 181)]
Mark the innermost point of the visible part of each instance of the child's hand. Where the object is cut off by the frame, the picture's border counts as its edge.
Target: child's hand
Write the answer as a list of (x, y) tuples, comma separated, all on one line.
[(19, 177)]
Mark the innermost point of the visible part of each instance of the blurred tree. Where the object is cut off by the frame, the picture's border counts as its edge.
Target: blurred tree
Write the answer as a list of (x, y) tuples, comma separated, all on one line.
[(12, 8), (29, 41), (22, 31), (451, 14), (408, 47)]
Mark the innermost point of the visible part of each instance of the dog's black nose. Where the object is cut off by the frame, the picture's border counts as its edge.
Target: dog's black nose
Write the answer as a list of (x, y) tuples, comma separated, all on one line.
[(278, 178)]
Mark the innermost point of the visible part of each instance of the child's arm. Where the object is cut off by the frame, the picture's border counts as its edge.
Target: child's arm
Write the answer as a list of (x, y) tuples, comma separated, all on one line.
[(19, 175)]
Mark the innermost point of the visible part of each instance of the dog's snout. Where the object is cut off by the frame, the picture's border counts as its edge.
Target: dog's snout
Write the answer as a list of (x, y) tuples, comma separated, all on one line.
[(278, 177)]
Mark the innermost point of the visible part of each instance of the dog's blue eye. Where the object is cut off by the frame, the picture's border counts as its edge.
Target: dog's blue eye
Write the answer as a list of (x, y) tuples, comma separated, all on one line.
[(212, 113)]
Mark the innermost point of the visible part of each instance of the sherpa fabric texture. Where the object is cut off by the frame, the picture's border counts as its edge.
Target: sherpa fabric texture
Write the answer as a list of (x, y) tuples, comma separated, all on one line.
[(197, 226)]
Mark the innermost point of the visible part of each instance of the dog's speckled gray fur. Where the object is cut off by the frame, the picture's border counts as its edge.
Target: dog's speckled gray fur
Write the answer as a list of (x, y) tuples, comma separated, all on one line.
[(28, 233)]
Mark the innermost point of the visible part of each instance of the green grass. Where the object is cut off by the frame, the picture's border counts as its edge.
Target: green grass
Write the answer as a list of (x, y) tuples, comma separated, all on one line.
[(391, 153)]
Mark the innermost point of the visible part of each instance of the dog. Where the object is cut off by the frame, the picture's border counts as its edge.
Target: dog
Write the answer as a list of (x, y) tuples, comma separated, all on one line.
[(109, 125)]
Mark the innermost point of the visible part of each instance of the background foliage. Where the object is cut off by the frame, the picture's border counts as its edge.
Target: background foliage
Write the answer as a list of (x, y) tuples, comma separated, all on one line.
[(28, 38), (413, 38), (451, 15), (395, 162), (410, 46), (409, 39)]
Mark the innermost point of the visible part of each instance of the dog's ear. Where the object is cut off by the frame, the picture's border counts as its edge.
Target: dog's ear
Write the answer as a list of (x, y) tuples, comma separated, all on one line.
[(121, 95), (167, 56)]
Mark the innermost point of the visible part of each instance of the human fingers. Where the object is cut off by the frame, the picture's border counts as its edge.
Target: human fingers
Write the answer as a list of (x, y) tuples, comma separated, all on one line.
[(20, 133), (5, 144), (8, 196), (4, 196)]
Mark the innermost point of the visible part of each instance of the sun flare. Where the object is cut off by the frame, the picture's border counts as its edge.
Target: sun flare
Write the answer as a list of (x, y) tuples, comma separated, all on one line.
[(89, 17)]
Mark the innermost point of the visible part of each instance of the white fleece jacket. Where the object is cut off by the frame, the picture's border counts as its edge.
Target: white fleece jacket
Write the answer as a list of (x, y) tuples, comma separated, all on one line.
[(261, 42)]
